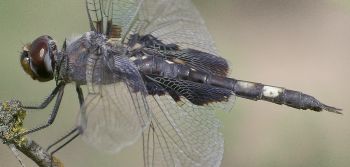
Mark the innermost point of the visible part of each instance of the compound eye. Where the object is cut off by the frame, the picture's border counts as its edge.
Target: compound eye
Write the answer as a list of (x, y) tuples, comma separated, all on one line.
[(25, 62), (38, 58)]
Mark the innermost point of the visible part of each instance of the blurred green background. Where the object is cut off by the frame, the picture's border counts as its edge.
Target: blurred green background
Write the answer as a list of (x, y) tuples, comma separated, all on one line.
[(299, 44)]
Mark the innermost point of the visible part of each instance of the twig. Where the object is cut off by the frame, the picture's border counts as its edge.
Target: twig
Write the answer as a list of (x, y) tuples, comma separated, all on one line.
[(11, 123)]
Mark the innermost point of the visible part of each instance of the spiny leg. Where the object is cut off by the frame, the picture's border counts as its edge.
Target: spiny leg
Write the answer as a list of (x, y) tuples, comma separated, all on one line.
[(52, 116), (57, 91), (65, 143), (75, 130), (47, 100), (61, 139), (80, 94)]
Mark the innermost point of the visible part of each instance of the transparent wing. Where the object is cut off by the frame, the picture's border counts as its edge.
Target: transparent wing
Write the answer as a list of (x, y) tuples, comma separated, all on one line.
[(174, 22), (182, 134), (115, 111), (96, 15), (110, 17), (171, 21), (198, 60), (179, 133)]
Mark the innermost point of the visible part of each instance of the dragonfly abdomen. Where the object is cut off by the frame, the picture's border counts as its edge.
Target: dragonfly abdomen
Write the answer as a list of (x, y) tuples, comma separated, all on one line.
[(278, 95), (250, 90)]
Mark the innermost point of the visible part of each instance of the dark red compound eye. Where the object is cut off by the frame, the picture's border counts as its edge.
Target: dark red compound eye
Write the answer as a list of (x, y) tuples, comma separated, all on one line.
[(37, 58)]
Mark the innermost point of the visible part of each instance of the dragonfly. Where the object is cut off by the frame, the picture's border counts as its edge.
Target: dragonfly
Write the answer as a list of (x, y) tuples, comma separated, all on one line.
[(151, 72)]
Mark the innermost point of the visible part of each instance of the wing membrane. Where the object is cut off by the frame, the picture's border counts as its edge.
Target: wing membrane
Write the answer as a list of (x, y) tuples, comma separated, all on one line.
[(182, 134), (196, 59), (96, 15), (115, 111), (110, 17), (179, 133), (170, 21), (177, 22), (173, 22)]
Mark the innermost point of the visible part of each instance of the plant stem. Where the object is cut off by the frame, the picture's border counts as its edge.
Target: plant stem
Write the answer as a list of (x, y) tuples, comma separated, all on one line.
[(11, 123)]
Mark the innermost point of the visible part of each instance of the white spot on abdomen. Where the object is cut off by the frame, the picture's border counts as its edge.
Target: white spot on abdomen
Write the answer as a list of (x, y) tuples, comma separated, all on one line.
[(245, 84), (270, 91), (132, 58)]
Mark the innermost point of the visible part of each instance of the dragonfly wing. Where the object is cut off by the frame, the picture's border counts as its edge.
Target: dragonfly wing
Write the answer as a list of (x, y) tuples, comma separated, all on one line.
[(179, 29), (184, 130), (182, 134), (174, 22), (115, 111), (110, 17)]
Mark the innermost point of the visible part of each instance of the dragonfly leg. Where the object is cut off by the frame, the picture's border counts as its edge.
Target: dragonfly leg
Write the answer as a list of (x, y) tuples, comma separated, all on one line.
[(65, 143), (80, 94), (48, 99), (75, 131), (51, 118)]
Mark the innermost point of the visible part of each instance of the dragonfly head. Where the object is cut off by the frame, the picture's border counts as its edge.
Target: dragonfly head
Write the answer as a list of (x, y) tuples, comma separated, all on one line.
[(38, 58)]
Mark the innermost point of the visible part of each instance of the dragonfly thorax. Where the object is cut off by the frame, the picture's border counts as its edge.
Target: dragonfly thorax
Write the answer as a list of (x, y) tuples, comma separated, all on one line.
[(72, 61)]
